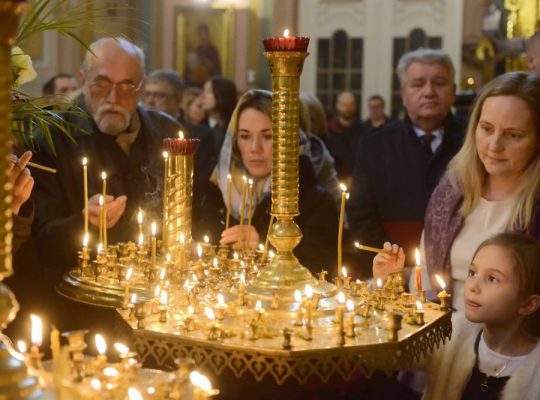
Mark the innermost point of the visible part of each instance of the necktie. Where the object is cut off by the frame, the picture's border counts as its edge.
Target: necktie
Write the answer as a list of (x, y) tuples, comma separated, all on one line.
[(426, 141)]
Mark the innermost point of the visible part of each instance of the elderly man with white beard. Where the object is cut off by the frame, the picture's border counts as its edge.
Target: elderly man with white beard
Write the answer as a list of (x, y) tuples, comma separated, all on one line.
[(118, 138)]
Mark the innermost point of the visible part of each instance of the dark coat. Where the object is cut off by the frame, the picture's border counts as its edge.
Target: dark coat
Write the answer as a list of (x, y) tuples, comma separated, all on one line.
[(58, 224), (393, 179), (318, 219), (342, 142)]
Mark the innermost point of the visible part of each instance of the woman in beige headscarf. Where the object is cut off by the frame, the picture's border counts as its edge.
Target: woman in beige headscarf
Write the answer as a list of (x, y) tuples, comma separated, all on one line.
[(247, 151)]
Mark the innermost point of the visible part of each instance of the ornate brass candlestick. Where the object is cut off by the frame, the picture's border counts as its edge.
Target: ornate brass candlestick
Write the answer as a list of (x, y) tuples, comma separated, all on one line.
[(284, 272), (177, 197)]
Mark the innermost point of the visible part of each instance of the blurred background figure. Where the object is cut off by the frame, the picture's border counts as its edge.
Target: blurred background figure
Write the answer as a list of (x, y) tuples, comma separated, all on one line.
[(60, 90), (376, 115), (192, 106)]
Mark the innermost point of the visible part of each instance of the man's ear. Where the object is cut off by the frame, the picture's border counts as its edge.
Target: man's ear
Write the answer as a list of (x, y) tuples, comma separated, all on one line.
[(530, 305)]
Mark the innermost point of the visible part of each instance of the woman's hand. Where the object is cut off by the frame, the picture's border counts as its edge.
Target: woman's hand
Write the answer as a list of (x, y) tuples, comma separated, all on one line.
[(22, 182), (234, 235), (115, 209), (391, 260)]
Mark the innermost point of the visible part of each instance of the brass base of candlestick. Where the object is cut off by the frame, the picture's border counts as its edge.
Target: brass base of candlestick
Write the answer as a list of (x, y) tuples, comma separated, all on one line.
[(284, 274), (86, 290)]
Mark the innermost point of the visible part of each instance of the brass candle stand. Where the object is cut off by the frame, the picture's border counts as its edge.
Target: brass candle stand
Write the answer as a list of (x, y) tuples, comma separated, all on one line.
[(284, 273)]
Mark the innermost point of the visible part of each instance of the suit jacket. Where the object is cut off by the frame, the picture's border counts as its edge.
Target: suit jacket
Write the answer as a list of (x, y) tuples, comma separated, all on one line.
[(393, 180)]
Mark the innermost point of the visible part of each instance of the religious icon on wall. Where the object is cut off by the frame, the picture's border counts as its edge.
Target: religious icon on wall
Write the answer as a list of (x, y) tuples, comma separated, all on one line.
[(204, 44)]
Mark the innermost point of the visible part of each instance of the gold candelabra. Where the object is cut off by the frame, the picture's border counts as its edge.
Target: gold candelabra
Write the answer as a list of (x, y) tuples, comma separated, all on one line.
[(284, 273)]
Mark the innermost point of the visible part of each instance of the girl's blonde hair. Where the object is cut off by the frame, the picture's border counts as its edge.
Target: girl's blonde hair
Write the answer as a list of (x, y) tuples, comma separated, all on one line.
[(466, 171)]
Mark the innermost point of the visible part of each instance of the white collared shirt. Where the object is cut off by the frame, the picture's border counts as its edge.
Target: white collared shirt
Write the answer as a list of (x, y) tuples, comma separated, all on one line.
[(437, 137)]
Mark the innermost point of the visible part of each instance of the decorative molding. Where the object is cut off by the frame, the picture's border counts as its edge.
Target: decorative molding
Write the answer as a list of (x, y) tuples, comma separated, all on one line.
[(337, 9), (406, 10)]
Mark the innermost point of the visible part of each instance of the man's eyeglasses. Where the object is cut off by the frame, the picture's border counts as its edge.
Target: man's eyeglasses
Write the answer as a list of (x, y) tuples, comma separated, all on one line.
[(103, 87)]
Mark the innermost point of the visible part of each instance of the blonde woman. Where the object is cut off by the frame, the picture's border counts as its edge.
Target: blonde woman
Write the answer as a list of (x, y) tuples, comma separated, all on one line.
[(492, 185)]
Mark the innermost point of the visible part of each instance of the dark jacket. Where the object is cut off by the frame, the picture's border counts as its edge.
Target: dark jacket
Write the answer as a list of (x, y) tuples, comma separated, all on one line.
[(342, 142), (58, 224), (393, 179), (318, 219)]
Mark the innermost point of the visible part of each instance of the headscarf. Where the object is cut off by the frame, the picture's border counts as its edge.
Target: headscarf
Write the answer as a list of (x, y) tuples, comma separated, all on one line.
[(230, 163)]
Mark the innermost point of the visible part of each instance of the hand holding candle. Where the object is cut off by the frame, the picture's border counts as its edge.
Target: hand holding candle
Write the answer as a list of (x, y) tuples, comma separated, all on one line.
[(390, 260)]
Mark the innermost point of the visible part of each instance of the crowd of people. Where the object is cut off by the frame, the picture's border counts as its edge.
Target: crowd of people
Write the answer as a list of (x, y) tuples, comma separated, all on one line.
[(466, 192)]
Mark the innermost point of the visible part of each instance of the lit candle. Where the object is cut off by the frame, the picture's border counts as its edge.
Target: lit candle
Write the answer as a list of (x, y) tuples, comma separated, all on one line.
[(250, 205), (134, 394), (121, 348), (344, 197), (126, 287), (100, 201), (443, 295), (21, 346), (153, 254), (101, 347), (259, 309), (164, 234), (220, 307), (202, 388), (367, 248), (85, 183), (85, 252), (212, 318), (55, 343), (104, 178), (340, 310), (229, 200), (417, 273), (243, 207), (37, 334)]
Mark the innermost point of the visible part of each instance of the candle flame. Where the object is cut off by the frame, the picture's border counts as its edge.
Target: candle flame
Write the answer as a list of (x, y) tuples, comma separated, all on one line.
[(182, 238), (286, 33), (220, 299), (156, 291), (344, 271), (162, 273), (101, 345), (103, 175), (84, 161), (190, 310), (163, 298), (350, 305), (141, 239), (21, 345), (121, 348), (271, 254), (215, 262), (357, 245), (129, 273), (154, 228), (100, 248), (206, 239), (308, 291), (440, 281), (100, 200), (134, 394), (417, 256), (95, 383), (85, 240), (258, 305), (418, 305), (180, 135), (244, 178), (250, 182), (209, 313), (37, 330), (200, 381), (140, 216), (229, 177), (261, 247), (343, 187), (165, 155), (110, 372), (168, 257), (341, 298), (235, 255), (379, 283), (242, 279), (133, 298), (297, 296)]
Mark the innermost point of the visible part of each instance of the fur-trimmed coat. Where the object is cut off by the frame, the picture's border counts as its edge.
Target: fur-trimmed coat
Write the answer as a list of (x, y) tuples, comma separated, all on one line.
[(449, 369)]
